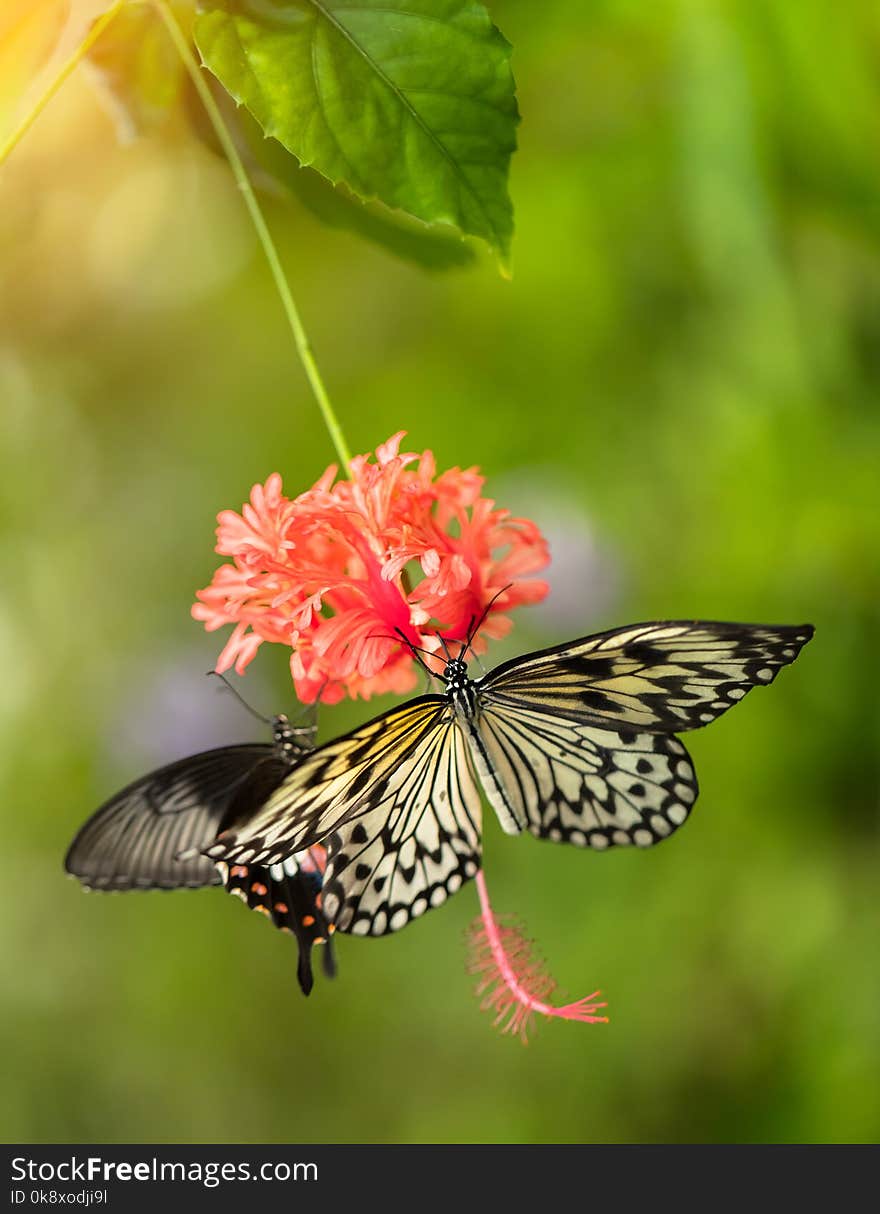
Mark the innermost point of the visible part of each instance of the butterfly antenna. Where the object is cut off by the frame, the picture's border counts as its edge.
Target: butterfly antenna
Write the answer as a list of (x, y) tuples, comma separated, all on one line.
[(308, 714), (415, 650), (473, 630), (465, 645), (401, 636), (223, 679), (315, 704)]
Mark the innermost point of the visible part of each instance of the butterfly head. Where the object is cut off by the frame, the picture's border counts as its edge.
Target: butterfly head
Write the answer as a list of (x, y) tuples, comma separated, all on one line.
[(455, 675), (291, 741), (459, 688)]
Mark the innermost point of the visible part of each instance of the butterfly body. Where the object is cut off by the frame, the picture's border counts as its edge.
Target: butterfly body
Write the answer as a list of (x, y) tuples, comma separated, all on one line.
[(574, 744), (153, 833), (460, 688), (463, 693)]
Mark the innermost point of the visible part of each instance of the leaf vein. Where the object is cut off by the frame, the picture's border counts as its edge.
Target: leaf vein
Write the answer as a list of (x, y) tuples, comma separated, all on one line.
[(402, 12), (408, 106), (489, 105), (313, 48)]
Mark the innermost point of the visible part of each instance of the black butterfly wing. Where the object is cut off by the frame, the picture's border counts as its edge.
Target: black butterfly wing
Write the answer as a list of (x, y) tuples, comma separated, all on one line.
[(660, 677), (152, 835), (290, 896), (134, 840)]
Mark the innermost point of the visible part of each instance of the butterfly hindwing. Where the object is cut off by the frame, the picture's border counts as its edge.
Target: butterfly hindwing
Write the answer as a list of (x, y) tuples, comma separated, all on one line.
[(587, 786), (660, 677), (418, 843), (290, 896)]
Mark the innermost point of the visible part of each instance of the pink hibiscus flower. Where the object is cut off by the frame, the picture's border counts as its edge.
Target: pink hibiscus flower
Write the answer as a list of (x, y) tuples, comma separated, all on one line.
[(337, 572)]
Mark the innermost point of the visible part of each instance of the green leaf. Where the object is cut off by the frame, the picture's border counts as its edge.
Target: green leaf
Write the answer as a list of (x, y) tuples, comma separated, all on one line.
[(432, 248), (136, 68), (413, 105), (274, 172)]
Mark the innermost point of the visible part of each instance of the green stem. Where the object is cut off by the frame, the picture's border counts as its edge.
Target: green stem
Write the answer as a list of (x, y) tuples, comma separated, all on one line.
[(95, 31), (283, 287)]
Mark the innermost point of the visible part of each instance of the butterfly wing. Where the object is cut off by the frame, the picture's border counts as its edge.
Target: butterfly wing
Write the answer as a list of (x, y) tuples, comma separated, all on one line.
[(134, 839), (575, 783), (415, 845), (153, 833), (395, 804), (289, 895), (579, 735), (660, 677)]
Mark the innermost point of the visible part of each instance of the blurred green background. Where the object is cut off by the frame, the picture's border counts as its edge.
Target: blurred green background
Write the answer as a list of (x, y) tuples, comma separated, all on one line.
[(680, 385)]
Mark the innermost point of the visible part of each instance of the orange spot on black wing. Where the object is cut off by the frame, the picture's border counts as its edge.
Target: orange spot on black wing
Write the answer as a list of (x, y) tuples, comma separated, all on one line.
[(293, 904)]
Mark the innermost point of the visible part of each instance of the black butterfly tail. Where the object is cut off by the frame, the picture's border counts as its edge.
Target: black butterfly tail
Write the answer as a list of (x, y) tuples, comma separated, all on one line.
[(293, 903), (328, 960), (309, 924), (304, 972), (304, 975)]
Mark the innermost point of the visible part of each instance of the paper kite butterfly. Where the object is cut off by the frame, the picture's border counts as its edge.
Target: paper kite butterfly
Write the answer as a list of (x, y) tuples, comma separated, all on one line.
[(575, 744), (153, 833)]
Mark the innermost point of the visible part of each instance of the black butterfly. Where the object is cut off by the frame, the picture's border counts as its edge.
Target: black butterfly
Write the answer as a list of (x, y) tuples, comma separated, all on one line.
[(153, 833), (574, 744)]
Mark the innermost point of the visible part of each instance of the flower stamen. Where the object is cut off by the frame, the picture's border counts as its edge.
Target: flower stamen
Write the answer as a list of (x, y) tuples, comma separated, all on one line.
[(512, 980)]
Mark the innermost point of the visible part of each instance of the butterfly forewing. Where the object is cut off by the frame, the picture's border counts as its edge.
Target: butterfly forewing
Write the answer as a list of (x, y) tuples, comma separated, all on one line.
[(338, 781), (134, 839), (661, 677)]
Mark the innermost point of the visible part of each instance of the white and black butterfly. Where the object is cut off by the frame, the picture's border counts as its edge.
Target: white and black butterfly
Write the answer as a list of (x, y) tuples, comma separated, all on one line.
[(574, 744), (153, 833)]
